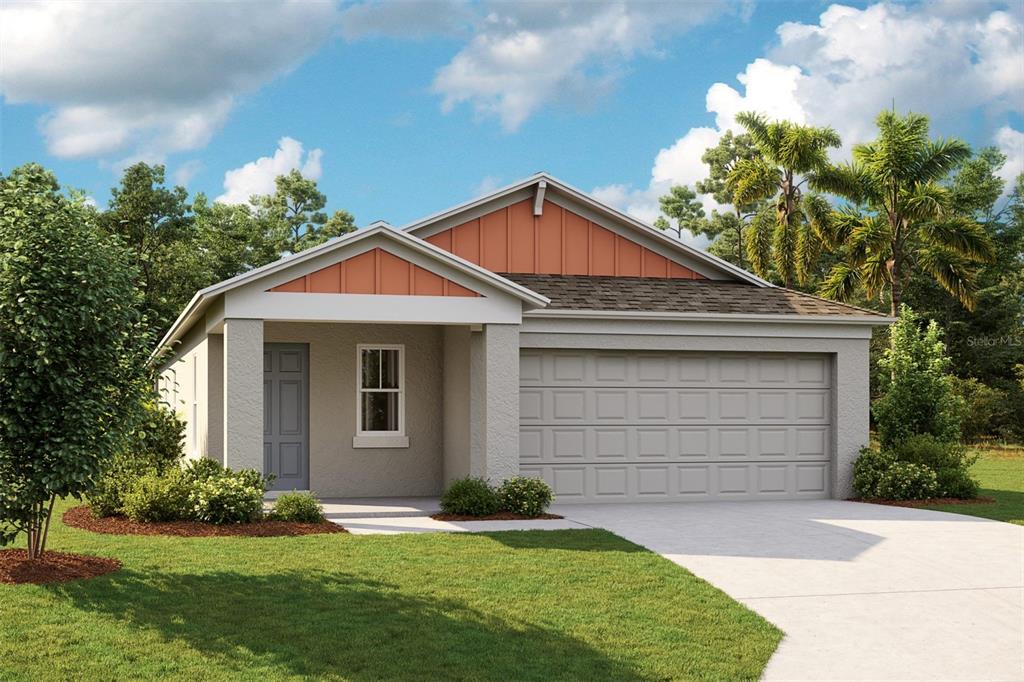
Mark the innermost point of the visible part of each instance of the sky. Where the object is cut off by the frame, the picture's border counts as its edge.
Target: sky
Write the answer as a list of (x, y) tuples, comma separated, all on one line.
[(402, 109)]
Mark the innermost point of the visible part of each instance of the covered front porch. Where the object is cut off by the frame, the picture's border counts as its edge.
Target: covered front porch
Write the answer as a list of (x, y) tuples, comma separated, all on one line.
[(293, 405)]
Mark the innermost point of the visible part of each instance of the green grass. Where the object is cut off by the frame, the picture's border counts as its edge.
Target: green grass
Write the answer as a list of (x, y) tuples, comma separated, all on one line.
[(540, 605), (1001, 474)]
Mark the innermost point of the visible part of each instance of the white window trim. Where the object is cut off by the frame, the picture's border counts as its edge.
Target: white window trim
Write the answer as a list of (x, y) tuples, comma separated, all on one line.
[(380, 439)]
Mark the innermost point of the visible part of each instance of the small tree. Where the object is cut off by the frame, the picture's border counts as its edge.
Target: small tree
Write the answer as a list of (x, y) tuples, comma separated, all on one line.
[(681, 205), (919, 398), (72, 351)]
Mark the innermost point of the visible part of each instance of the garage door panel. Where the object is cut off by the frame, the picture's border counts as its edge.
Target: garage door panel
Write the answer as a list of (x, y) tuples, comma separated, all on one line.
[(621, 426), (700, 370), (683, 482), (600, 406)]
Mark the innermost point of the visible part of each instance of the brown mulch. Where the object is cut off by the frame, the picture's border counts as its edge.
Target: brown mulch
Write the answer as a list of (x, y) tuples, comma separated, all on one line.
[(54, 567), (81, 517), (925, 503), (500, 516)]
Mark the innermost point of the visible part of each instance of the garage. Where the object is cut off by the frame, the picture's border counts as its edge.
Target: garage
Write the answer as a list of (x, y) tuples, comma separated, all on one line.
[(628, 426)]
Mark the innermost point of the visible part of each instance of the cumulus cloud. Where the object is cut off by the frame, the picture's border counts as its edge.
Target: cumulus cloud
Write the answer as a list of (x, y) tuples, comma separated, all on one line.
[(945, 59), (257, 177), (147, 78), (523, 56), (1011, 143)]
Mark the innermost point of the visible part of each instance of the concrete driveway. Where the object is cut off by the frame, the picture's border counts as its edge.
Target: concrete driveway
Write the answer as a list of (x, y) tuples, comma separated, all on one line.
[(863, 592)]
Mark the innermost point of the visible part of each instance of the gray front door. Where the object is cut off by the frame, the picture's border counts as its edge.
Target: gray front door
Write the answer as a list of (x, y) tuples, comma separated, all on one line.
[(286, 414)]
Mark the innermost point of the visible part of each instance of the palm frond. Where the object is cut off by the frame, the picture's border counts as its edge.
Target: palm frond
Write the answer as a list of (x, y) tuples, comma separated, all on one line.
[(819, 215), (940, 157), (752, 180), (757, 127), (758, 237), (924, 201), (954, 273), (959, 235), (875, 273), (841, 283), (784, 247), (808, 251), (848, 181), (869, 235)]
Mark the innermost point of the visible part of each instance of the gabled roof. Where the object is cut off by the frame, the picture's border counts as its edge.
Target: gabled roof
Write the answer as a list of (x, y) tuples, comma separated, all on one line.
[(612, 214), (202, 299)]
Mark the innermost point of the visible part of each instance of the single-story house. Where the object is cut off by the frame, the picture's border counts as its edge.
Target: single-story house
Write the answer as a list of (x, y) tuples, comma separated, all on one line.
[(532, 331)]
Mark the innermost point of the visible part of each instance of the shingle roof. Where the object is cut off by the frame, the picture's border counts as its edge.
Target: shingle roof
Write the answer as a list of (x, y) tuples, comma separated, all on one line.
[(643, 294)]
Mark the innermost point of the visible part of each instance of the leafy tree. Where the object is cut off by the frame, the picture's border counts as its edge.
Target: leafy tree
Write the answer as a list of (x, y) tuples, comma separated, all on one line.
[(919, 399), (681, 205), (902, 219), (721, 160), (232, 239), (72, 351), (787, 234), (156, 224), (296, 206)]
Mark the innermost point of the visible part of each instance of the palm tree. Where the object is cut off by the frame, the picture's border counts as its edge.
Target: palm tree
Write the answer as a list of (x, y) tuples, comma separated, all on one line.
[(789, 232), (900, 218)]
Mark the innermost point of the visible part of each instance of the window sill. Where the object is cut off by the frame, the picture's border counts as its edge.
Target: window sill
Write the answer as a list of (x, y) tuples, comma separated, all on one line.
[(380, 441)]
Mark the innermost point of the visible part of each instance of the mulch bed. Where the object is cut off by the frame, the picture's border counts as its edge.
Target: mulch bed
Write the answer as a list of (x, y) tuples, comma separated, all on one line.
[(81, 517), (500, 516), (925, 503), (55, 567)]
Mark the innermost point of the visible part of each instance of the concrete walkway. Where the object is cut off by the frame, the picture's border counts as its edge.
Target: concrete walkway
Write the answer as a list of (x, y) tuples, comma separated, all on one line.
[(863, 592)]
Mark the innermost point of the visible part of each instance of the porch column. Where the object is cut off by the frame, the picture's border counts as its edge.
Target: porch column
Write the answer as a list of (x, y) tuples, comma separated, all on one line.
[(243, 394), (215, 397), (494, 402), (850, 416)]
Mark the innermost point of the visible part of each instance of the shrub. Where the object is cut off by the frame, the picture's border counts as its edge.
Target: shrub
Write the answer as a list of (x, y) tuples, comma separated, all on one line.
[(231, 497), (868, 470), (949, 461), (907, 481), (158, 497), (160, 438), (526, 496), (202, 469), (300, 507), (470, 497), (984, 407), (919, 398)]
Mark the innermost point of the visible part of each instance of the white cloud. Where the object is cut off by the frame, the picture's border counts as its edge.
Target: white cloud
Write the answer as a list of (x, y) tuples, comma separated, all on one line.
[(488, 184), (943, 59), (147, 78), (526, 55), (257, 177), (406, 19), (184, 173), (1011, 143)]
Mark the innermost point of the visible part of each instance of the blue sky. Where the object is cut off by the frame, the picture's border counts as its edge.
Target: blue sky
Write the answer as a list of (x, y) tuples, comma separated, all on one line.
[(403, 109)]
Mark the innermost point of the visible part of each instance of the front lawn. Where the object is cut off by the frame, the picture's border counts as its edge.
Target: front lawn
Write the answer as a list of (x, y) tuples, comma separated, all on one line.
[(540, 605), (1001, 474)]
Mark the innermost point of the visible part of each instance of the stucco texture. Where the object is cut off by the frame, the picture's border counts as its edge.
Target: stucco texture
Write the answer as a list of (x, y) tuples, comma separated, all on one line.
[(336, 468)]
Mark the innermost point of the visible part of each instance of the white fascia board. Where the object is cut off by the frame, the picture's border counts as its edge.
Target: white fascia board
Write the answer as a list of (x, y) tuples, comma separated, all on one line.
[(643, 315), (472, 203)]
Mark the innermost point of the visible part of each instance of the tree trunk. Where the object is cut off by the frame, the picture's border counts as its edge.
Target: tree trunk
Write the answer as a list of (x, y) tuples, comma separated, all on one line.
[(739, 237), (38, 528)]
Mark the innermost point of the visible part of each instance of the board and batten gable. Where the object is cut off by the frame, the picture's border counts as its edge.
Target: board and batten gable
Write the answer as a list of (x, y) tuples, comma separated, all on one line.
[(559, 241)]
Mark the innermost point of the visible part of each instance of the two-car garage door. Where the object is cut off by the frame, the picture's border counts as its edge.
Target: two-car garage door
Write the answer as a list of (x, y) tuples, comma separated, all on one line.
[(633, 426)]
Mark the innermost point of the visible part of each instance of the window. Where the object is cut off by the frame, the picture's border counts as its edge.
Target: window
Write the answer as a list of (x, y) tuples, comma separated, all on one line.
[(381, 397)]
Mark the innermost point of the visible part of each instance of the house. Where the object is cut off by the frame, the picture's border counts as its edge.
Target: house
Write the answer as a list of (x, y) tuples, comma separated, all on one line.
[(532, 331)]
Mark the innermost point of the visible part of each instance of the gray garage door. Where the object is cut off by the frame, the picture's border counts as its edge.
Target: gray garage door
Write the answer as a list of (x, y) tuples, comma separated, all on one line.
[(634, 426)]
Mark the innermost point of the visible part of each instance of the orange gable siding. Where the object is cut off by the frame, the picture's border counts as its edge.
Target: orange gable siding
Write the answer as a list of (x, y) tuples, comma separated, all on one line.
[(375, 272), (557, 242)]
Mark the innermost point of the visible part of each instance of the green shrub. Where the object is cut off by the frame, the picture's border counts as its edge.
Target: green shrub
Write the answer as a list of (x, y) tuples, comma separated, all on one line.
[(949, 461), (299, 507), (470, 497), (526, 496), (158, 497), (907, 481), (984, 408), (153, 448), (868, 470), (202, 469), (231, 497), (918, 398)]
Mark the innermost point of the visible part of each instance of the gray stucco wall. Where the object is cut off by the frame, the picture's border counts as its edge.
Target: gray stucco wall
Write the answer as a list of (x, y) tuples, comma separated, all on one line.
[(336, 468), (183, 387)]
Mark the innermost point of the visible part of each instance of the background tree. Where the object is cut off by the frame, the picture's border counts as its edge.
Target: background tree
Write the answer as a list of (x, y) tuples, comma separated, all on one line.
[(721, 160), (296, 206), (155, 222), (901, 218), (788, 233), (681, 205), (72, 351)]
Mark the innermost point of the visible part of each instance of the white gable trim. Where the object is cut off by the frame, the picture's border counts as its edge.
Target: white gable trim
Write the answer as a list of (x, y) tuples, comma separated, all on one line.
[(706, 263)]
